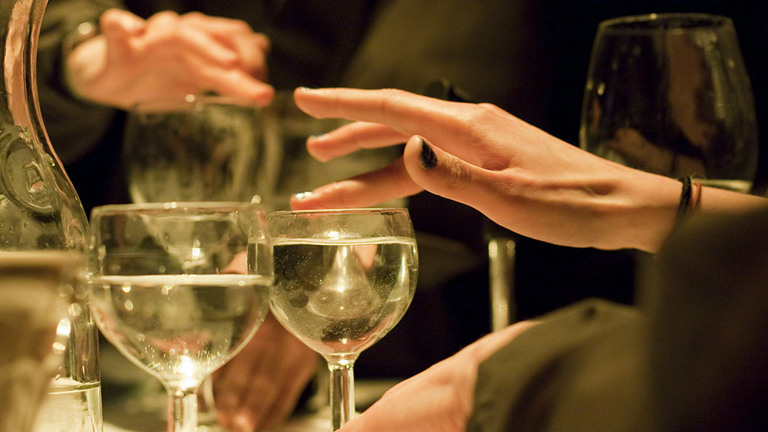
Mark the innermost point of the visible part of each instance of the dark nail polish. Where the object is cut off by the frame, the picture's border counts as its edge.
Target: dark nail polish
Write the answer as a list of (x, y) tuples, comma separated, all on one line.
[(428, 157)]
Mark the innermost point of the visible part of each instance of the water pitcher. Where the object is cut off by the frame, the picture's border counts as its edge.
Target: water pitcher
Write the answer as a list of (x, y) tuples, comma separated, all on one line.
[(40, 210)]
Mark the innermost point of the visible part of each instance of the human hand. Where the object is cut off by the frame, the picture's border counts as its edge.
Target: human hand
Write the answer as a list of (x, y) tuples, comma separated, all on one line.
[(519, 176), (260, 386), (438, 399), (168, 55)]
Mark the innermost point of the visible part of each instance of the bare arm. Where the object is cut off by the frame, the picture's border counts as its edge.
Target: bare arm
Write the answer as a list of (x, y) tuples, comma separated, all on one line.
[(516, 174)]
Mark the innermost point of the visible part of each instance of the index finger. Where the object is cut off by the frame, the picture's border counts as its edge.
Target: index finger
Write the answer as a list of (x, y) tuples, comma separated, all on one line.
[(408, 113)]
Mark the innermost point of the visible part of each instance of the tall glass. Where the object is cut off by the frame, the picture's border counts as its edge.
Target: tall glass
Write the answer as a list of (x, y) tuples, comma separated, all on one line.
[(669, 94), (343, 280), (176, 290)]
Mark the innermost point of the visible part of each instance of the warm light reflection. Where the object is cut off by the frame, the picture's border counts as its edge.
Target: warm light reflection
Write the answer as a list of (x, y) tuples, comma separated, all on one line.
[(187, 369), (196, 250)]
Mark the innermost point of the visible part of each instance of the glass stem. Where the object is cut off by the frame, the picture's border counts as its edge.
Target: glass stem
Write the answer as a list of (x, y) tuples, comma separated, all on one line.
[(501, 254), (182, 410), (206, 406), (342, 392)]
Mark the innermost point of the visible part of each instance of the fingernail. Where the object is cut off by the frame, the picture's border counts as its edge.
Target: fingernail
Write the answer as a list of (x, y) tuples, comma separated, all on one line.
[(301, 195), (427, 157), (304, 88)]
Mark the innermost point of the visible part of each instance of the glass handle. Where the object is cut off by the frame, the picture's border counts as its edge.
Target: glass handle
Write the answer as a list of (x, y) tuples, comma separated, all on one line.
[(182, 410), (342, 393)]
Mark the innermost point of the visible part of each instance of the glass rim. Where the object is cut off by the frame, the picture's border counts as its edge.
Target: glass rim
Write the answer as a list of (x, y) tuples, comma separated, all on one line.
[(653, 22), (174, 206), (333, 211), (168, 103)]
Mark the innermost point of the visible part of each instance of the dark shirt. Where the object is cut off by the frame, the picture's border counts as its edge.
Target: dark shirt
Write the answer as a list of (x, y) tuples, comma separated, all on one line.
[(692, 356)]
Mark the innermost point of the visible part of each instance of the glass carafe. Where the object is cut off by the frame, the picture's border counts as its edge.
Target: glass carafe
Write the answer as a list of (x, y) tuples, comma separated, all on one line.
[(40, 210)]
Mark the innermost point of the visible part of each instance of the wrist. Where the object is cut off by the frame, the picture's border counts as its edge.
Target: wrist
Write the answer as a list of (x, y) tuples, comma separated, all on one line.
[(83, 32), (689, 198), (648, 205), (79, 59)]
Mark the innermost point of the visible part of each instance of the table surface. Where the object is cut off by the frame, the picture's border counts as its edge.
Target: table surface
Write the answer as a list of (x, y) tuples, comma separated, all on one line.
[(133, 401), (143, 410)]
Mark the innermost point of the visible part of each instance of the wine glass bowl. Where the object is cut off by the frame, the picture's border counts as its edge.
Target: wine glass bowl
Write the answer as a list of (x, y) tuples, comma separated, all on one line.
[(669, 94), (198, 148), (343, 279), (172, 291)]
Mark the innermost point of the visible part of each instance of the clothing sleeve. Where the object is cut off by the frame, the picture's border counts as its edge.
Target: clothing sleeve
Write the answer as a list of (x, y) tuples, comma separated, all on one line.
[(581, 369), (74, 126), (709, 325), (695, 359)]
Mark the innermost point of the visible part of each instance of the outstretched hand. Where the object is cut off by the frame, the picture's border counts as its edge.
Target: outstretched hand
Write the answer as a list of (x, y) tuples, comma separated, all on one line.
[(519, 176), (260, 387), (438, 399), (168, 55)]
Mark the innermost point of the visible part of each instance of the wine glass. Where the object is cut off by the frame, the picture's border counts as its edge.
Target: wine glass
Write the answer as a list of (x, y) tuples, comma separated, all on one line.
[(197, 148), (669, 94), (169, 292), (343, 279)]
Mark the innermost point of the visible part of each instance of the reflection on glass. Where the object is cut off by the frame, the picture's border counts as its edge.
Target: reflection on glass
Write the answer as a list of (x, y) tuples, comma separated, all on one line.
[(343, 280), (169, 290), (202, 148), (669, 94)]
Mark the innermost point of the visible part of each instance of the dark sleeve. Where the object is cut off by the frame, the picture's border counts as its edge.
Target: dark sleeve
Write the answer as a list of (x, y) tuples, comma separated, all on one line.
[(695, 360), (709, 326), (580, 370), (74, 126)]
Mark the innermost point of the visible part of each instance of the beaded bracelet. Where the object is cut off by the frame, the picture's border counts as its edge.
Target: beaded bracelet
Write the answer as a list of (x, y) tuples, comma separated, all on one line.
[(689, 198)]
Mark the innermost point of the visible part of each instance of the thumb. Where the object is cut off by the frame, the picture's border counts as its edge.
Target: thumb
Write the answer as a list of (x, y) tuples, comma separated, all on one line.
[(444, 174)]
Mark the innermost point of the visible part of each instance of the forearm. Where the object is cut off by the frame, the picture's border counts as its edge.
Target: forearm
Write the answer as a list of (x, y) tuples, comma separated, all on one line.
[(651, 209), (516, 174), (60, 23), (714, 200), (75, 126), (640, 214)]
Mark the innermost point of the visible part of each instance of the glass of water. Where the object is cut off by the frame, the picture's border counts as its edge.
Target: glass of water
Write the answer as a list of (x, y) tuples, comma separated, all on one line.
[(176, 290), (198, 148), (343, 280)]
